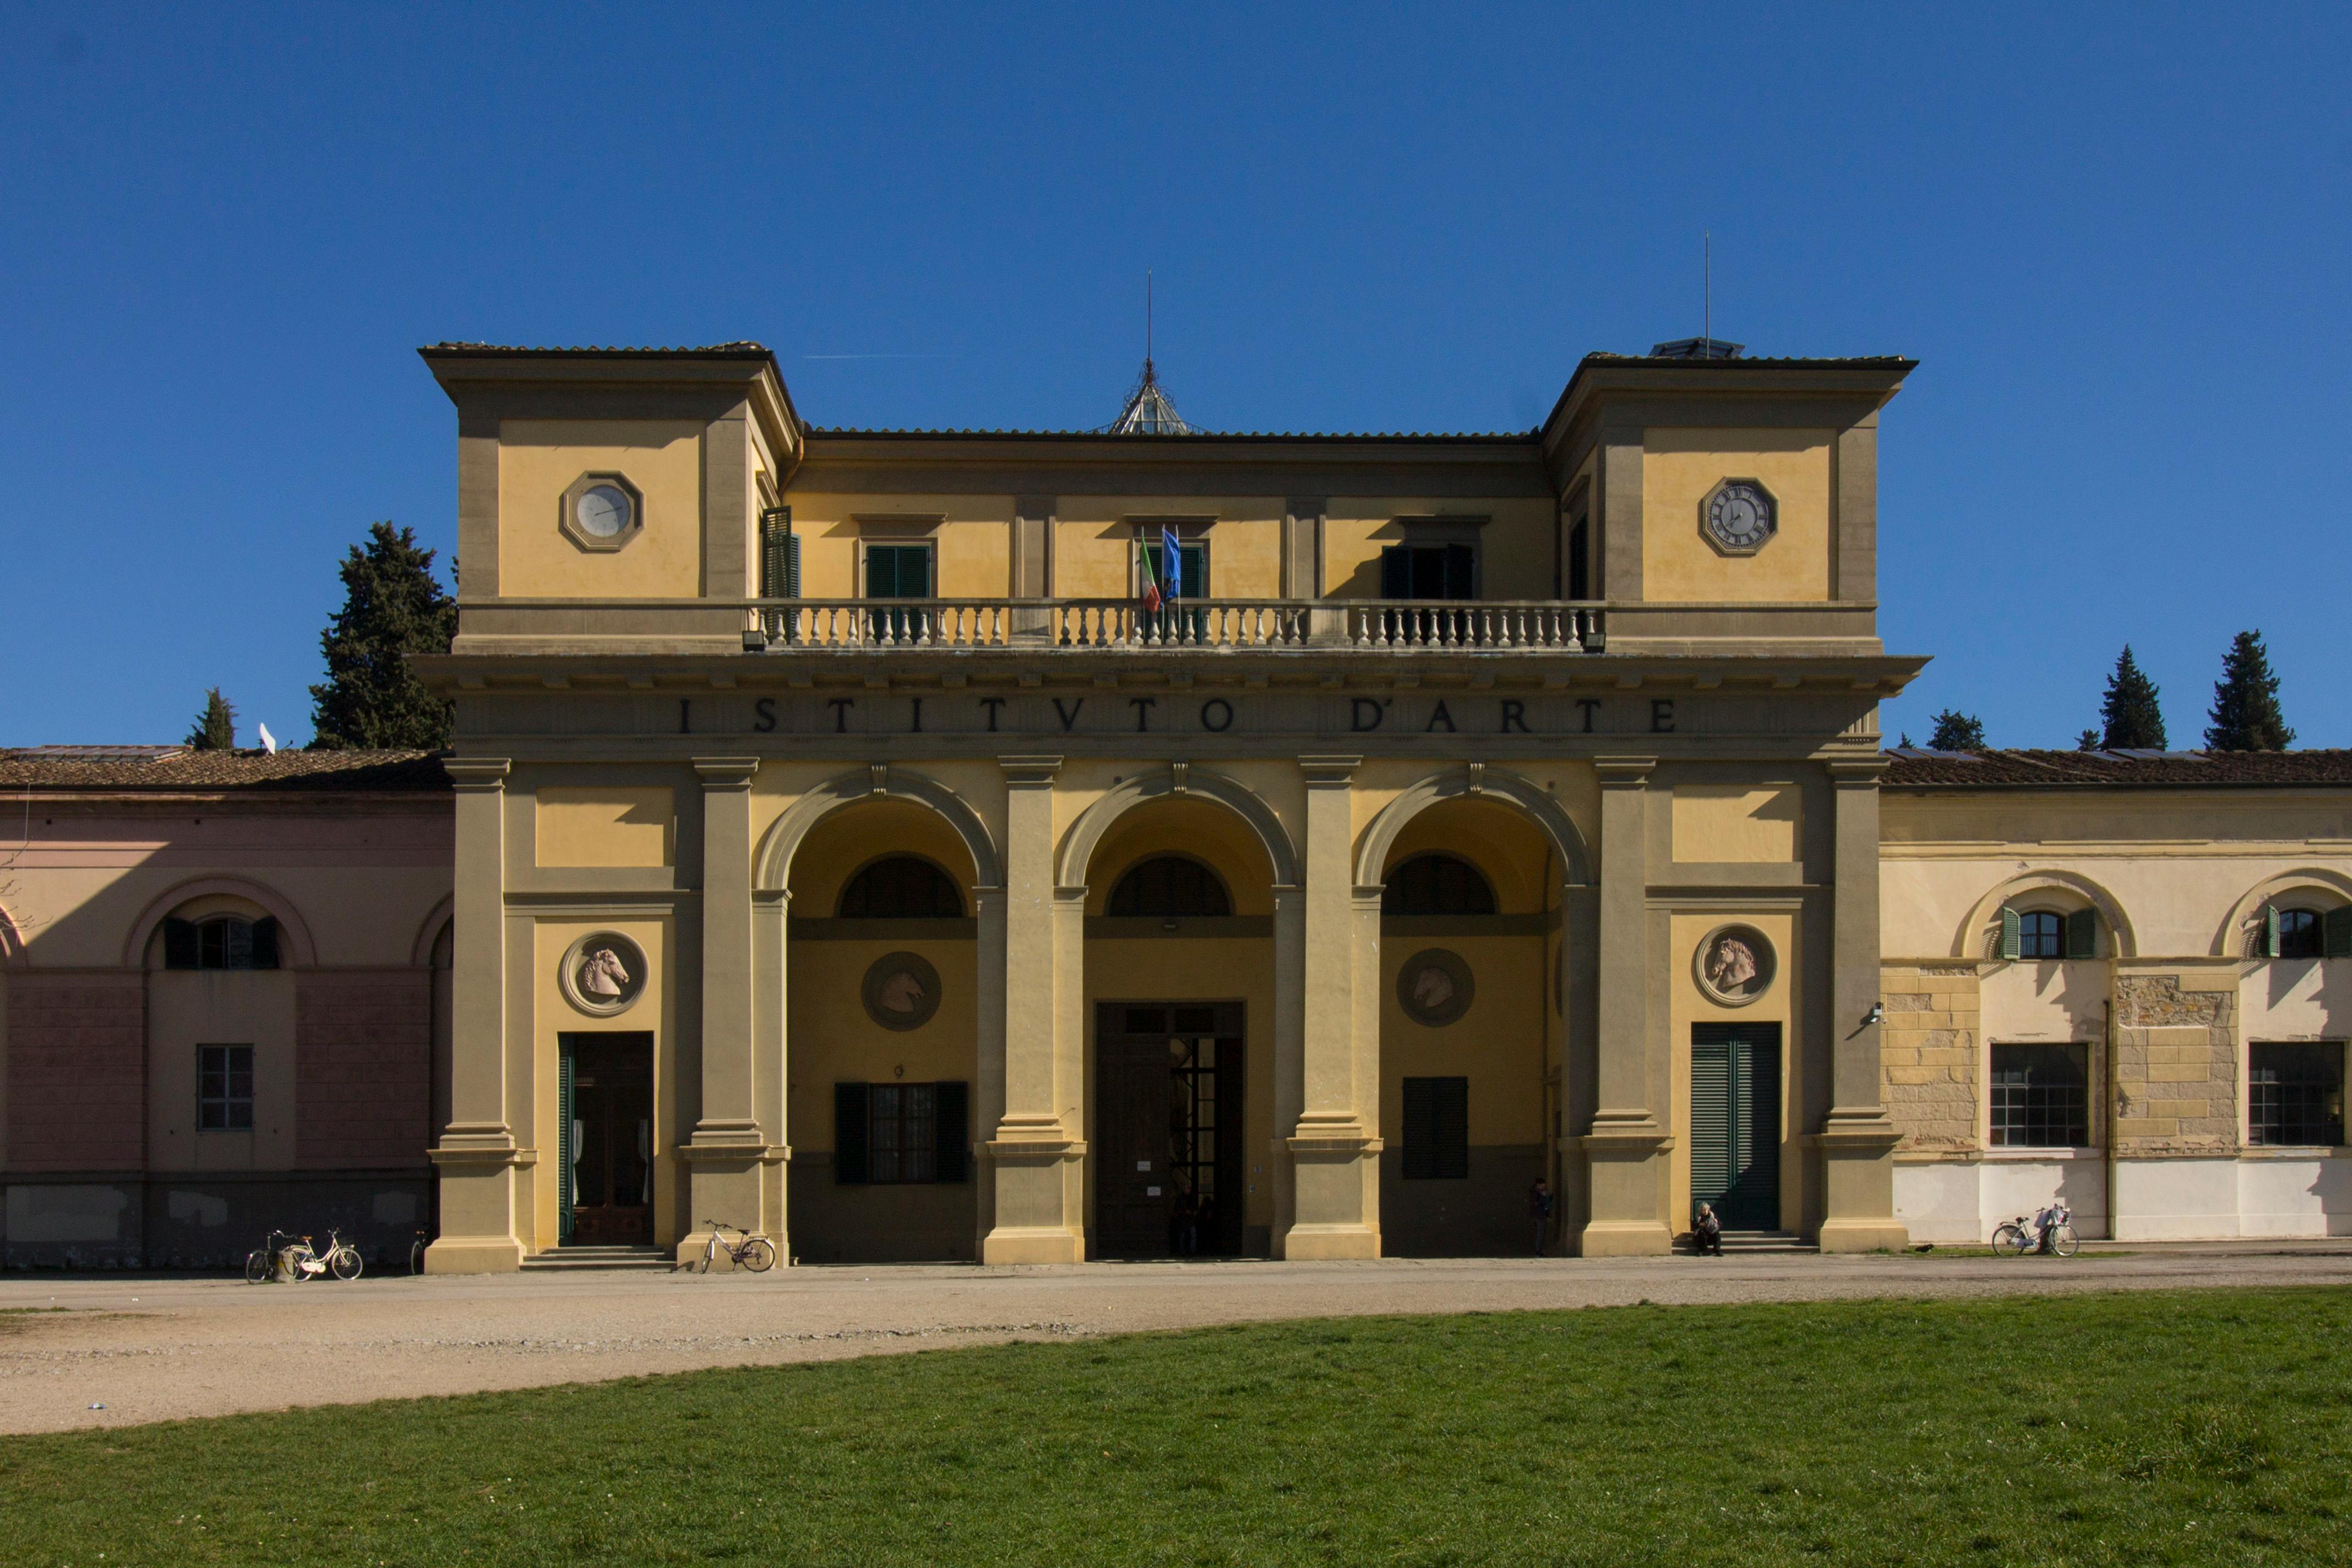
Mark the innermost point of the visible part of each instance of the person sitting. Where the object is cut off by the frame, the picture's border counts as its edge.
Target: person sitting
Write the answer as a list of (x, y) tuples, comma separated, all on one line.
[(1707, 1231)]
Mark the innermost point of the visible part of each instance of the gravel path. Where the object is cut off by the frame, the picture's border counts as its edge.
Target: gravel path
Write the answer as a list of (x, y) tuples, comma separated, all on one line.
[(129, 1349)]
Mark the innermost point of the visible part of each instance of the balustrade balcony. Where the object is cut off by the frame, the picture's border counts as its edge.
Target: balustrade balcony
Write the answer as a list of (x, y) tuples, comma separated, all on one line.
[(1190, 625)]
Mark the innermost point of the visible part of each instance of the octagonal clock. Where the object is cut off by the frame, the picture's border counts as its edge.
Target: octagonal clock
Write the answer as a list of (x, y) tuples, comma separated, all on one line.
[(1739, 517)]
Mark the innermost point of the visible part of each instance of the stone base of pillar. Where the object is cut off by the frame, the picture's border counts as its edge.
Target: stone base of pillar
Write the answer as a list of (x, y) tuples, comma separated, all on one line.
[(1856, 1155), (476, 1167), (1336, 1197), (734, 1181), (1039, 1184), (1623, 1177)]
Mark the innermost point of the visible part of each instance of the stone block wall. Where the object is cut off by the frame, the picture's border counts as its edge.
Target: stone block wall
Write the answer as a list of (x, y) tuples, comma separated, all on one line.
[(2177, 1060), (76, 1071), (1930, 1052)]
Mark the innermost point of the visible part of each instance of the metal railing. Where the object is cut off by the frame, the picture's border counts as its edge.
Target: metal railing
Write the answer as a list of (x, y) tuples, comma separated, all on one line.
[(1200, 625)]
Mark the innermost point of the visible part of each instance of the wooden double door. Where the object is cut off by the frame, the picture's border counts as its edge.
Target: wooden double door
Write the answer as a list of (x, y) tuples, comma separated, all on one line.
[(1736, 1124), (607, 1130), (1169, 1079)]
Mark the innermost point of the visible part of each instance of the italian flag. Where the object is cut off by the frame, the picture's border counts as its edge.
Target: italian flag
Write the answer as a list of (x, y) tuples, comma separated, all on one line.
[(1157, 591)]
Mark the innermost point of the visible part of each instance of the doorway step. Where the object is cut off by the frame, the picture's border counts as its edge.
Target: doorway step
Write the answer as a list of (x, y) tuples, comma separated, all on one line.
[(579, 1259), (1749, 1242)]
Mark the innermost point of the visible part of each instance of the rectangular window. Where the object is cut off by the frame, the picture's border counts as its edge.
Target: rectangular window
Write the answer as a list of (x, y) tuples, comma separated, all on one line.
[(1192, 583), (1429, 572), (899, 572), (1579, 560), (225, 1089), (2041, 1097), (1437, 1129), (2296, 1093), (892, 1134)]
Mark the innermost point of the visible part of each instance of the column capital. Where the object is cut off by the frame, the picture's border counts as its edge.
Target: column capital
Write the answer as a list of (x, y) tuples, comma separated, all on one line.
[(1029, 772), (726, 773), (1622, 772), (1326, 770), (1856, 772), (477, 773)]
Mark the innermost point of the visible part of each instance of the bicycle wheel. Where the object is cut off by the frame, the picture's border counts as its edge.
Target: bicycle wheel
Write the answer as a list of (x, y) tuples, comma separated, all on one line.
[(296, 1256), (256, 1266), (758, 1255), (2009, 1241), (2063, 1241), (347, 1263), (416, 1257)]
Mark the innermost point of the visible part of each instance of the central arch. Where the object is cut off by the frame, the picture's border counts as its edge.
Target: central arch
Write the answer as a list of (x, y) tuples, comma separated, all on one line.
[(1086, 834), (1372, 853), (774, 864)]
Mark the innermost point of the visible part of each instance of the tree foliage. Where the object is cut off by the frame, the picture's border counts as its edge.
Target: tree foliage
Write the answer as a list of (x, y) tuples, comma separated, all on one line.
[(392, 606), (2245, 715), (1957, 731), (2088, 740), (2130, 716), (215, 727)]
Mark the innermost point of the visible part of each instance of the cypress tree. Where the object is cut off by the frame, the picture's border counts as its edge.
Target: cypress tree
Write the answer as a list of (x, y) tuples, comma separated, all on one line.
[(392, 606), (2246, 716), (2087, 741), (2130, 714), (215, 727), (1957, 731)]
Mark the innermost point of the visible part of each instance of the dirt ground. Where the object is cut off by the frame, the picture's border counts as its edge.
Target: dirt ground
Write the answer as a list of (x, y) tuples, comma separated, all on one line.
[(80, 1350)]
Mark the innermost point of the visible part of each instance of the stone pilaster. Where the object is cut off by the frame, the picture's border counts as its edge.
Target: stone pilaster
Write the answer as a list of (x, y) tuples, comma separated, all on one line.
[(1335, 1146), (1625, 1146), (727, 1151), (477, 1156), (1035, 1158), (1856, 1145)]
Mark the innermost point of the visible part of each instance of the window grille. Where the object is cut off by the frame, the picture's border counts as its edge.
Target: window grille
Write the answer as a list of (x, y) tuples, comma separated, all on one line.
[(225, 1089), (2296, 1093), (2041, 1097)]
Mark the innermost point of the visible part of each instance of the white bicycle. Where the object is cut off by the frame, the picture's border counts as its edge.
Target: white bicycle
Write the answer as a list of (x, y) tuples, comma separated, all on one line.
[(301, 1260), (2051, 1231)]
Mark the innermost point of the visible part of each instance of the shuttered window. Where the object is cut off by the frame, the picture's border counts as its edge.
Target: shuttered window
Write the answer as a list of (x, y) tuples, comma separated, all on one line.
[(2306, 933), (1429, 572), (2046, 933), (1437, 1129), (897, 571), (1579, 560), (223, 943), (780, 556), (894, 1135), (1734, 1121)]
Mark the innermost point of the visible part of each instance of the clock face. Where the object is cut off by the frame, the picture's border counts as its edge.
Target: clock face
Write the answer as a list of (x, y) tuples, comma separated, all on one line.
[(602, 511), (1740, 516)]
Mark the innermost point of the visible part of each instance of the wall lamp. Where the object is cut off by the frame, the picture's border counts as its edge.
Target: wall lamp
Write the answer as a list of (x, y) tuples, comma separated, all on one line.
[(1877, 1013)]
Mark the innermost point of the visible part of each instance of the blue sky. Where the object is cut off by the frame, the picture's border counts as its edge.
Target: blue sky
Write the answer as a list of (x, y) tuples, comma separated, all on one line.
[(2116, 237)]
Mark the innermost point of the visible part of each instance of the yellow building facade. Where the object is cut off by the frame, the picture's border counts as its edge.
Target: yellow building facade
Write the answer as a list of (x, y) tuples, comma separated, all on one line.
[(974, 900)]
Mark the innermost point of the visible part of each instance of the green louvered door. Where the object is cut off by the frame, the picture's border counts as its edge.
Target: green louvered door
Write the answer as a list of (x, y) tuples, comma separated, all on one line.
[(1736, 1124), (567, 1150)]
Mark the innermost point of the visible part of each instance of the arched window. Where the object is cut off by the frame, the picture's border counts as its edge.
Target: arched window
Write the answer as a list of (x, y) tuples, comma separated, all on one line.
[(2047, 933), (2041, 934), (1171, 887), (901, 888), (221, 942), (1437, 885), (2306, 933)]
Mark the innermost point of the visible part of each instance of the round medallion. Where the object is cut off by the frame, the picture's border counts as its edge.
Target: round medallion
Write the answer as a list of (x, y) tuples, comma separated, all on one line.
[(1736, 965), (1435, 987), (902, 991), (1739, 517), (603, 974)]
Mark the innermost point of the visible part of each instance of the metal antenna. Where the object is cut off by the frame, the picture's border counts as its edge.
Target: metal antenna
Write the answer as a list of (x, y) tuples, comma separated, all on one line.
[(1147, 315), (1707, 311)]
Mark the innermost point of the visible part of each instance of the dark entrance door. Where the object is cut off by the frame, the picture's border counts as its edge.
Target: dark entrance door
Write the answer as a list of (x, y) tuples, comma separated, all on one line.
[(607, 1134), (1168, 1120), (1736, 1124)]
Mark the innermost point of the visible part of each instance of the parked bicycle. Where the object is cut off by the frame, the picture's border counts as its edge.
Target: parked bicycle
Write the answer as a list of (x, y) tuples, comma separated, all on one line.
[(2049, 1233), (756, 1252), (301, 1260), (416, 1251)]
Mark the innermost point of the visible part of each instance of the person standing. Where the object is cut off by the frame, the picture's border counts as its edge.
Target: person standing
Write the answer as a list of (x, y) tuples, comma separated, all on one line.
[(1539, 1210)]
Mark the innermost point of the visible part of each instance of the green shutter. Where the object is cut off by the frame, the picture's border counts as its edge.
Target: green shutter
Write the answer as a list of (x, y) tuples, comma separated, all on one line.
[(1461, 568), (1396, 573), (779, 555), (2083, 933), (2271, 932), (2336, 928), (180, 949), (951, 1131), (1735, 1127), (565, 1152), (1436, 1130), (851, 1134), (2010, 939)]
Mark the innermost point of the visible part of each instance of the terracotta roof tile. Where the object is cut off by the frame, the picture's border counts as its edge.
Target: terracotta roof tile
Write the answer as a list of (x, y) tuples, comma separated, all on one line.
[(1916, 767), (117, 768)]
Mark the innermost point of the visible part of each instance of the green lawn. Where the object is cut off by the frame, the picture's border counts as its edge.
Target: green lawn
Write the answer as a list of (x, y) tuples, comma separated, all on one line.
[(2208, 1426)]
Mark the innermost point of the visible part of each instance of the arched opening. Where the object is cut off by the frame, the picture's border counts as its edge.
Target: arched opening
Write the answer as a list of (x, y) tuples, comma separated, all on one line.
[(882, 1036), (1170, 887), (221, 1066), (1470, 1030), (1179, 982)]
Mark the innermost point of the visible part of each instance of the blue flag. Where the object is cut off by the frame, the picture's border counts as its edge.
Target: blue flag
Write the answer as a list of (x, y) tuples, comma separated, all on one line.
[(1172, 560)]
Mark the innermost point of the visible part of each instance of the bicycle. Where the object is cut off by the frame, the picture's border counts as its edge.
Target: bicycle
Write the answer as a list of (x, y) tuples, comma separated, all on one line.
[(416, 1252), (263, 1260), (2051, 1233), (755, 1253), (305, 1262)]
